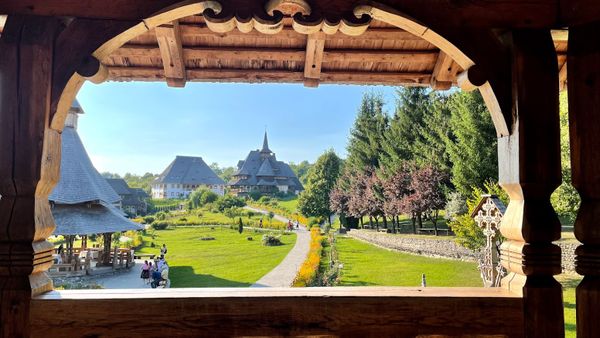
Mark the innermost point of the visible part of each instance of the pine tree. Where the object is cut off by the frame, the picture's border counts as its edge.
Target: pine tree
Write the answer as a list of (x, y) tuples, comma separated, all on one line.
[(430, 147), (473, 146), (321, 179), (404, 132), (366, 137)]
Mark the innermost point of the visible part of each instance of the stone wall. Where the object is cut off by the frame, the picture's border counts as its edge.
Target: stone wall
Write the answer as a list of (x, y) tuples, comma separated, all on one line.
[(443, 246), (427, 246)]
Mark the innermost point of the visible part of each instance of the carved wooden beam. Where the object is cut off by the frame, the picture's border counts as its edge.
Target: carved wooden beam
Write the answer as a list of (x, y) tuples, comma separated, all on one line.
[(529, 170), (562, 77), (584, 127), (288, 54), (315, 44), (171, 51), (276, 76), (444, 73)]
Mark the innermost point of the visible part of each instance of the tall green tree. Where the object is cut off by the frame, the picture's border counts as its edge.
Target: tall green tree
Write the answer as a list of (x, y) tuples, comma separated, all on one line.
[(565, 198), (406, 126), (430, 147), (473, 146), (366, 137), (322, 176), (301, 170)]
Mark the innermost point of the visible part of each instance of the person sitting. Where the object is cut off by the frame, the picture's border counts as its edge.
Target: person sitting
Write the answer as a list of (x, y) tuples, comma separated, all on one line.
[(156, 278), (164, 275)]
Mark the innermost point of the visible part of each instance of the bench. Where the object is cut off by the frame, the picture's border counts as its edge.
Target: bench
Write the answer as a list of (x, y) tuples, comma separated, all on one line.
[(431, 231), (142, 256), (382, 230)]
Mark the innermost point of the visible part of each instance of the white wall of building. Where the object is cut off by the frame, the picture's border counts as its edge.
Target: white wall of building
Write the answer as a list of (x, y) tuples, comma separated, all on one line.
[(173, 190)]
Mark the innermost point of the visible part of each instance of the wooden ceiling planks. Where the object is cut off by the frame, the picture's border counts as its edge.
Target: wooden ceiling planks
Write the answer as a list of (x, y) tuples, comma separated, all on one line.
[(382, 50)]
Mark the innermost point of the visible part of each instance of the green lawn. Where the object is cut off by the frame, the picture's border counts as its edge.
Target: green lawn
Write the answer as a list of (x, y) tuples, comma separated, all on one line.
[(289, 203), (206, 217), (228, 261), (366, 264), (569, 282)]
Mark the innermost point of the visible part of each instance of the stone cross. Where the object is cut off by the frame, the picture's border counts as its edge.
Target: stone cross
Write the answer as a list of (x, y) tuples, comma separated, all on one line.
[(488, 216)]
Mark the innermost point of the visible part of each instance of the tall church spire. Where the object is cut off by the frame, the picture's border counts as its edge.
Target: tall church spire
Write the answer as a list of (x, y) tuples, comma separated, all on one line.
[(265, 147)]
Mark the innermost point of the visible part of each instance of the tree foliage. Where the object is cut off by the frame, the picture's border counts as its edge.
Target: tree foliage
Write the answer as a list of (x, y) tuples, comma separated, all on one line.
[(301, 170), (565, 198), (201, 197), (314, 201), (473, 147), (366, 137)]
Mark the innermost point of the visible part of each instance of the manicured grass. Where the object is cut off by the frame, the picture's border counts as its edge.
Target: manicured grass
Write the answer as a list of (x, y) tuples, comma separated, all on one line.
[(289, 203), (366, 264), (206, 217), (569, 282), (228, 261)]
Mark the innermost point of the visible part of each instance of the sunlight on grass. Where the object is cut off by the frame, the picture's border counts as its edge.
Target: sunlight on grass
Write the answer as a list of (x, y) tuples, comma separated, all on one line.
[(365, 264), (228, 260)]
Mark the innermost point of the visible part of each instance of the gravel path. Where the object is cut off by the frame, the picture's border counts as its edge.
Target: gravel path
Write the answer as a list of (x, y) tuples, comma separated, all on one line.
[(283, 274)]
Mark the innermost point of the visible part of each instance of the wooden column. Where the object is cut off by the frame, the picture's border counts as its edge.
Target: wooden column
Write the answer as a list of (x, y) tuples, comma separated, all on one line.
[(529, 161), (584, 122), (29, 162)]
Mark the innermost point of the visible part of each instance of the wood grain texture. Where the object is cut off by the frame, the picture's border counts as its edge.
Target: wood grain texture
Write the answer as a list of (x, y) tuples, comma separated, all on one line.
[(398, 312), (583, 62), (529, 163), (27, 50), (171, 51)]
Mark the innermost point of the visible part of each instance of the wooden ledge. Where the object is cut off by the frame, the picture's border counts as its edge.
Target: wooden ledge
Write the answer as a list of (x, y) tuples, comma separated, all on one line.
[(227, 312), (316, 292)]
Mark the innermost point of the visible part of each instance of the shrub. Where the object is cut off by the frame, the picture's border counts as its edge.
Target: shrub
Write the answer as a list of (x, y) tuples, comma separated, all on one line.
[(250, 213), (456, 205), (160, 225), (240, 226), (161, 216), (183, 219), (149, 219), (271, 240), (199, 214), (264, 199), (227, 202), (309, 270)]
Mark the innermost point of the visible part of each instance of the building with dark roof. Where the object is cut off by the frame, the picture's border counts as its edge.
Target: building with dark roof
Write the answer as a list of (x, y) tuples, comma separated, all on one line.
[(83, 202), (262, 172), (133, 200), (184, 175)]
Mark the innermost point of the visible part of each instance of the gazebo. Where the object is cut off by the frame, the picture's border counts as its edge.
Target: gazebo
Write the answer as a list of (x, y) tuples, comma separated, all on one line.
[(517, 53), (83, 202)]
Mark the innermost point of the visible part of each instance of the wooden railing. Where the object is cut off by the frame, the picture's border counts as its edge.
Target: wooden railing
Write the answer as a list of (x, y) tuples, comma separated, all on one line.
[(347, 311)]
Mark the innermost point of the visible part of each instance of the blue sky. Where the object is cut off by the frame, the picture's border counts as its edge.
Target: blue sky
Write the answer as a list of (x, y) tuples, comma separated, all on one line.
[(140, 127)]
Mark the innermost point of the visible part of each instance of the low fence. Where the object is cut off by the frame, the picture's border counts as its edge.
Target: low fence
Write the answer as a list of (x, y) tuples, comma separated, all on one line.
[(443, 247)]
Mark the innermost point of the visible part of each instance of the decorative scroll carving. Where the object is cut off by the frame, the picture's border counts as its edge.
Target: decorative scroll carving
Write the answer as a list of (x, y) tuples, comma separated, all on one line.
[(270, 20)]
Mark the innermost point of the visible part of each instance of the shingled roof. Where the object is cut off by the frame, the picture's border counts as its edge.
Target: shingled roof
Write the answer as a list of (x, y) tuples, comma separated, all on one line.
[(189, 170), (79, 181), (81, 219), (262, 168)]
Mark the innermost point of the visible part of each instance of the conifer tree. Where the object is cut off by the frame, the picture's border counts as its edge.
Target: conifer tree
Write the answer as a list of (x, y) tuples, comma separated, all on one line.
[(366, 137), (473, 146)]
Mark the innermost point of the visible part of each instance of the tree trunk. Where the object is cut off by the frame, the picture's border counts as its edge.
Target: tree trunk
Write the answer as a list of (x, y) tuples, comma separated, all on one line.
[(414, 223), (434, 221), (385, 224), (329, 220), (420, 219), (370, 221), (362, 224)]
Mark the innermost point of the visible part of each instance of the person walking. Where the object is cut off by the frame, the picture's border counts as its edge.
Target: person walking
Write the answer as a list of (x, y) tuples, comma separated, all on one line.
[(163, 250), (145, 272)]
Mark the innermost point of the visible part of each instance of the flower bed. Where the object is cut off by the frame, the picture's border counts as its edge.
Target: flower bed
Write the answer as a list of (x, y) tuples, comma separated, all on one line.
[(309, 270)]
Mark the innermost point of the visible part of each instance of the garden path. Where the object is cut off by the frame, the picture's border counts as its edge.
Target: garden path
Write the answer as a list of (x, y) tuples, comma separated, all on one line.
[(129, 279), (283, 274)]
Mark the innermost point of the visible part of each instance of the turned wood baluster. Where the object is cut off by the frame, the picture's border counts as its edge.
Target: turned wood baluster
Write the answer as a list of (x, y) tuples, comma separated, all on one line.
[(29, 167), (583, 62), (529, 170)]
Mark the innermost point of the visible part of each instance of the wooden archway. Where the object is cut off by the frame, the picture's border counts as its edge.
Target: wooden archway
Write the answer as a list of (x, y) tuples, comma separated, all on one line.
[(45, 59)]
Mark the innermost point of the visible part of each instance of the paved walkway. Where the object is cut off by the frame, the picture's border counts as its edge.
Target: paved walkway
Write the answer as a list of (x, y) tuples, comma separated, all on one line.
[(283, 274), (128, 279)]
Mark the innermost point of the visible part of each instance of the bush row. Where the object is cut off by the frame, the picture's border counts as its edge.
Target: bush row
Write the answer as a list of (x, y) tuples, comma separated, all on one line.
[(309, 270)]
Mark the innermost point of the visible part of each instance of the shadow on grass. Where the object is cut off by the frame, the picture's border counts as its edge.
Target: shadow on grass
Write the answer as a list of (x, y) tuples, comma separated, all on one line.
[(185, 277)]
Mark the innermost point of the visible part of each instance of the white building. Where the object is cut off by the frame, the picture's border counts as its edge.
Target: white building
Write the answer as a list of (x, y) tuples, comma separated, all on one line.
[(184, 175)]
